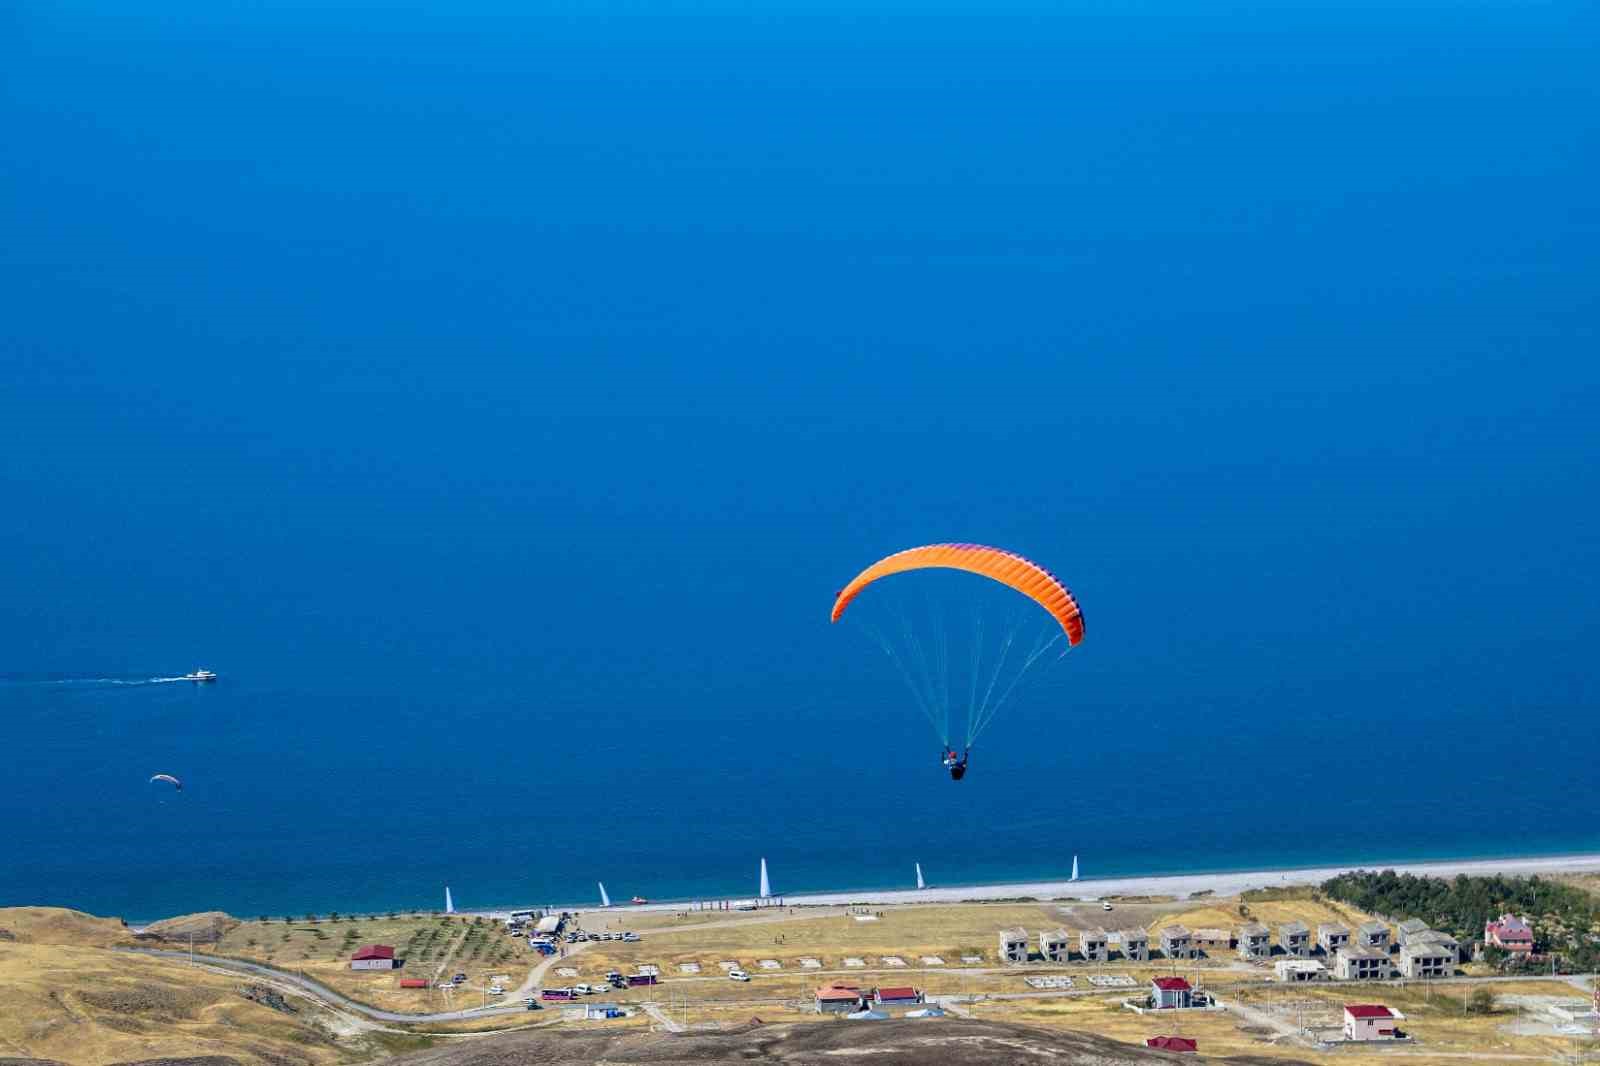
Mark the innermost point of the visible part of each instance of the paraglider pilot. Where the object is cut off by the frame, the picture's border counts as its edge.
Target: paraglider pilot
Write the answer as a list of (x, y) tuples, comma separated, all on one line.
[(957, 767)]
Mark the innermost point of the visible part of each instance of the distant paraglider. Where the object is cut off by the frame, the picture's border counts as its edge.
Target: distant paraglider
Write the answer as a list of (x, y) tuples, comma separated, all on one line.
[(925, 660), (173, 781)]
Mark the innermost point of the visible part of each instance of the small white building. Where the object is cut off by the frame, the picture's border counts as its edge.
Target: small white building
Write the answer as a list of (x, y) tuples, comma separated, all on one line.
[(1371, 1021), (1014, 944), (1055, 945), (1167, 993), (1292, 970)]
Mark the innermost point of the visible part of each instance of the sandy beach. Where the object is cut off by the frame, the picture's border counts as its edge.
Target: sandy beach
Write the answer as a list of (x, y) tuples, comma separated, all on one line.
[(1176, 885)]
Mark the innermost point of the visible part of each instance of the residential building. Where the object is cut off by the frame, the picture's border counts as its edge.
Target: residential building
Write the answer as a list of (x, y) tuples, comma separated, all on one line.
[(373, 957), (899, 996), (1055, 945), (1423, 958), (1371, 1021), (839, 999), (1295, 939), (1177, 942), (1014, 944), (1092, 945), (1407, 930), (1291, 970), (1211, 939), (1255, 941), (1331, 936), (1356, 962), (1167, 993), (1509, 933), (1135, 944), (1373, 935), (1442, 939)]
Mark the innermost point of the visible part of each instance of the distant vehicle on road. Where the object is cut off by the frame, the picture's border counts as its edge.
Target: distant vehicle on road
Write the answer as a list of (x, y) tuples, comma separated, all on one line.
[(630, 938), (459, 978), (1105, 906), (738, 975), (582, 990), (556, 993), (638, 979)]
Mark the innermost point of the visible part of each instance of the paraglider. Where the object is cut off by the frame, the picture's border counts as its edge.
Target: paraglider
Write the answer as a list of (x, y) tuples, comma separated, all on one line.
[(178, 785), (924, 662)]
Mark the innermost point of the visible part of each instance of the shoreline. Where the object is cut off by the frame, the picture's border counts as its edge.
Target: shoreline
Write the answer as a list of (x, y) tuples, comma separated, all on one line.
[(1221, 884)]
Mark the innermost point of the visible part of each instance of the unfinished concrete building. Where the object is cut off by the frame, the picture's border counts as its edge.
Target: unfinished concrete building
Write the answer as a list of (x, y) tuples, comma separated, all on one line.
[(1357, 962), (1293, 970), (1444, 941), (1014, 944), (1373, 935), (1055, 945), (1255, 941), (1407, 930), (1134, 943), (1422, 958), (1331, 936), (1092, 945), (1177, 942), (1295, 939)]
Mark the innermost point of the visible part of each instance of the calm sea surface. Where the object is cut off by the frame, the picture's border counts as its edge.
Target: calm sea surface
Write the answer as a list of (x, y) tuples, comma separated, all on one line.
[(497, 397)]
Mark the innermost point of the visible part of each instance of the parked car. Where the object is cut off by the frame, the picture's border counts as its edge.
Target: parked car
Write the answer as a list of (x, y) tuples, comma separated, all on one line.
[(459, 978), (631, 938), (582, 990), (738, 975)]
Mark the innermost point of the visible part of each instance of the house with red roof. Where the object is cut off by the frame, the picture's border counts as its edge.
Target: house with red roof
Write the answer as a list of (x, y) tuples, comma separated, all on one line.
[(839, 999), (1182, 1044), (373, 957), (1170, 992), (1371, 1021), (900, 996), (1509, 933)]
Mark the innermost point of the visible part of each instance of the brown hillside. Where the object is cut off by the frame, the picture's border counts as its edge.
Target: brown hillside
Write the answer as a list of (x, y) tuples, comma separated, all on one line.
[(57, 925)]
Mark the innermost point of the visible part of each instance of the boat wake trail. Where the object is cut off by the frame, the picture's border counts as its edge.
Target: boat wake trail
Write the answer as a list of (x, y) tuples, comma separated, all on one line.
[(87, 682)]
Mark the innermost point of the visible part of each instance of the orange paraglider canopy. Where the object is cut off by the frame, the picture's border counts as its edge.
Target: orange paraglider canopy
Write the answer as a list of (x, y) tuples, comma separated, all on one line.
[(1008, 568)]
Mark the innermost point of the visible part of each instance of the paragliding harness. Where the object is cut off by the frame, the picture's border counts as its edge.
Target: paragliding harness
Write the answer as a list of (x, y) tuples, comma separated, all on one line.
[(957, 767)]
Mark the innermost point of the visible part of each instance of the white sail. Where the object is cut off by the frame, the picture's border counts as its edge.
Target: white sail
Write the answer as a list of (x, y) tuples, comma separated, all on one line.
[(766, 886), (1074, 868), (605, 900), (449, 904), (920, 883)]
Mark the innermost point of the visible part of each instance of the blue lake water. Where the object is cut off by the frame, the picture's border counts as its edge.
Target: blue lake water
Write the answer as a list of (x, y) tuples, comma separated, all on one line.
[(498, 397)]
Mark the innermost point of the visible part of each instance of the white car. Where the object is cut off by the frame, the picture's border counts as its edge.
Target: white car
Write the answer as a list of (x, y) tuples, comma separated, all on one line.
[(738, 975), (1105, 906), (582, 990), (631, 938), (496, 990)]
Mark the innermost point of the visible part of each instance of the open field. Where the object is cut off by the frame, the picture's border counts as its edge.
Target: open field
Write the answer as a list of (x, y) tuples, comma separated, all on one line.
[(432, 946), (87, 1005)]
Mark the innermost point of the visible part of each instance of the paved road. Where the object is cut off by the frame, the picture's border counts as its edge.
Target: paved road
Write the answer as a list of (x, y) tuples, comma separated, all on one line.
[(321, 991)]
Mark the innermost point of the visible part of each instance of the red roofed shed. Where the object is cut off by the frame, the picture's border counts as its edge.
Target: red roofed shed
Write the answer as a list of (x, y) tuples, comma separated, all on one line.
[(1173, 1043), (838, 999), (902, 996), (373, 957)]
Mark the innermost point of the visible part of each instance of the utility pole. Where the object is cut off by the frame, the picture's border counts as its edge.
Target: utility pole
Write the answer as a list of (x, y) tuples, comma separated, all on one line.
[(191, 948)]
